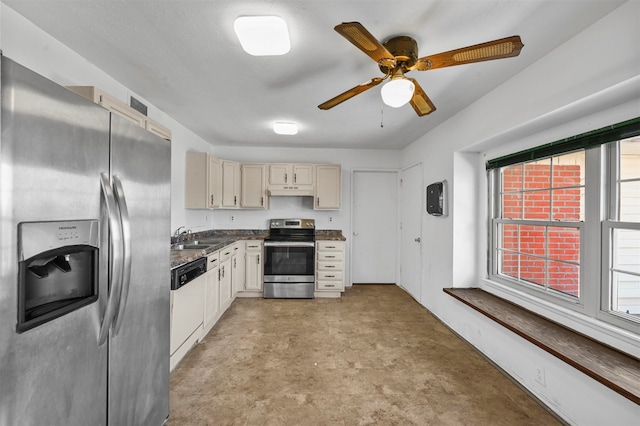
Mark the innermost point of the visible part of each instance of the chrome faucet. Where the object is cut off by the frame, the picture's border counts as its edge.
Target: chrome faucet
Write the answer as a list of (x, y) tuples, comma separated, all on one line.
[(178, 233)]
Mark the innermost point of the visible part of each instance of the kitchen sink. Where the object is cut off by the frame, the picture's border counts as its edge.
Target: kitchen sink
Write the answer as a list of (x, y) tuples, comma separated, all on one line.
[(191, 246)]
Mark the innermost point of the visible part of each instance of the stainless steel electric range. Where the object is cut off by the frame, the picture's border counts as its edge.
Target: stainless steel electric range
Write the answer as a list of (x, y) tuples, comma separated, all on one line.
[(289, 266)]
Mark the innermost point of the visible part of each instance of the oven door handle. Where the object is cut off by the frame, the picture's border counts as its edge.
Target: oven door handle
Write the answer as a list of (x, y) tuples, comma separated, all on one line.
[(289, 244)]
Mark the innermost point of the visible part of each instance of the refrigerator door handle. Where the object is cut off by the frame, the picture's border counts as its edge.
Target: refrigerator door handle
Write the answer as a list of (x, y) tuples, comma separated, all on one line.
[(115, 263), (126, 237)]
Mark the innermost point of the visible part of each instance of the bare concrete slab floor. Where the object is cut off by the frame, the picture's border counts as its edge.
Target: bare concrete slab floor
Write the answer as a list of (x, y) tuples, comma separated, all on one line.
[(373, 357)]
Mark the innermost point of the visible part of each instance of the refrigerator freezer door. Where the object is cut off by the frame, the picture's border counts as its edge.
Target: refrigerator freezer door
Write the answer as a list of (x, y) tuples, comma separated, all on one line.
[(139, 346), (54, 145)]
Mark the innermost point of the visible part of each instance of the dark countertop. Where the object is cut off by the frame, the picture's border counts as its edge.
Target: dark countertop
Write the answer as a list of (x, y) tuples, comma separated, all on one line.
[(218, 239), (215, 240), (329, 235)]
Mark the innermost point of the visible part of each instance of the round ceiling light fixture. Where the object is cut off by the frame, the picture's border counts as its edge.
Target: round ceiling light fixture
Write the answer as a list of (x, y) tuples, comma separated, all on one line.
[(397, 92)]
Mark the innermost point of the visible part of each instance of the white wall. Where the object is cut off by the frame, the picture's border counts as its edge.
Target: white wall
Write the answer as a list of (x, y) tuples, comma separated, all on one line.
[(582, 85), (27, 44)]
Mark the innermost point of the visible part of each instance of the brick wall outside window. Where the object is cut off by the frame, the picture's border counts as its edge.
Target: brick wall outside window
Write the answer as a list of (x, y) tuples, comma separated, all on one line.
[(546, 199)]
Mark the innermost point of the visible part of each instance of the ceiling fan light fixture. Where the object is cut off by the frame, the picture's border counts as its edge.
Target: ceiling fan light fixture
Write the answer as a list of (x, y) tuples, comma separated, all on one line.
[(285, 128), (397, 92), (263, 35)]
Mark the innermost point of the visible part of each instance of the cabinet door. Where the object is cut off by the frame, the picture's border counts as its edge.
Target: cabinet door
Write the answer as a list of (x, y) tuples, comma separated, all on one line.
[(303, 174), (202, 181), (214, 183), (225, 283), (211, 302), (253, 193), (328, 189), (157, 129), (254, 266), (238, 265), (230, 184), (280, 174)]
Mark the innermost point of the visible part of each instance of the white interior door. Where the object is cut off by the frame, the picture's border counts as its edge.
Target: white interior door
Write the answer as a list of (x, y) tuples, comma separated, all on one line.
[(374, 227), (411, 203)]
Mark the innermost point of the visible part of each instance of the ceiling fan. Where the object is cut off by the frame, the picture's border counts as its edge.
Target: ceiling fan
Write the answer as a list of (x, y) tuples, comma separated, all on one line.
[(399, 55)]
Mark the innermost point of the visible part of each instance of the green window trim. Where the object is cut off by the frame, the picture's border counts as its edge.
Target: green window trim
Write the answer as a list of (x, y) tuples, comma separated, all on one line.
[(614, 132)]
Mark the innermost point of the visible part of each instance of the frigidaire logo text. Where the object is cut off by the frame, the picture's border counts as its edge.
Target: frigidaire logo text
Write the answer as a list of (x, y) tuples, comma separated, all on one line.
[(67, 227)]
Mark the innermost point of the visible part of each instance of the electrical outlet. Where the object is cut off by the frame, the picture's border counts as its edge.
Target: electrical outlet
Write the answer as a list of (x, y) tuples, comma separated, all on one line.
[(233, 218), (540, 376), (330, 218)]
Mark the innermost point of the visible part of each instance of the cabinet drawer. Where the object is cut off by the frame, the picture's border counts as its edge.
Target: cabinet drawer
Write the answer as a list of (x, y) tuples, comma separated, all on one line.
[(329, 266), (329, 285), (254, 245), (225, 253), (335, 256), (212, 260), (329, 275), (330, 245)]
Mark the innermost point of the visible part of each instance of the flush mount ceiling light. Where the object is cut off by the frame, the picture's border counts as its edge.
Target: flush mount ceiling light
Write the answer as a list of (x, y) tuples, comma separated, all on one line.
[(263, 35), (397, 92), (284, 128)]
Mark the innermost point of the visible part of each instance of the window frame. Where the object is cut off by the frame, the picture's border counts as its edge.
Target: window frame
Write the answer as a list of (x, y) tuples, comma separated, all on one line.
[(610, 223), (601, 198), (579, 303)]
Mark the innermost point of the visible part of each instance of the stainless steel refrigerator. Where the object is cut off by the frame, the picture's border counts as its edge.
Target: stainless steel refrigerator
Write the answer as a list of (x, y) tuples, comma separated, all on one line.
[(84, 260)]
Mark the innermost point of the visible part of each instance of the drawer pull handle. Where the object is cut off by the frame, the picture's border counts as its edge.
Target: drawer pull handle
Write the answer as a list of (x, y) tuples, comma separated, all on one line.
[(330, 257), (330, 276), (330, 285)]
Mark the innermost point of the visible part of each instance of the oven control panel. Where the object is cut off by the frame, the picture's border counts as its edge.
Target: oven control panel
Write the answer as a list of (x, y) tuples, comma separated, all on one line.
[(292, 224)]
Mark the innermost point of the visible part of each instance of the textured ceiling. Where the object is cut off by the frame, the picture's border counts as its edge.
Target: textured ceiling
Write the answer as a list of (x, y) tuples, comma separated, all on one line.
[(183, 57)]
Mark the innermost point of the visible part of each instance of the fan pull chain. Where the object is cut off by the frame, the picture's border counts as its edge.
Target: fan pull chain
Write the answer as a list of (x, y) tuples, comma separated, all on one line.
[(381, 114)]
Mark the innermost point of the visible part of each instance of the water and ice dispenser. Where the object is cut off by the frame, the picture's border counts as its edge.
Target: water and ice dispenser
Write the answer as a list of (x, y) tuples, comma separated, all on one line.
[(58, 269)]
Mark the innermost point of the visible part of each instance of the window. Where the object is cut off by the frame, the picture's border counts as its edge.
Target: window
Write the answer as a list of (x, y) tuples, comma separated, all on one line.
[(565, 223), (621, 232)]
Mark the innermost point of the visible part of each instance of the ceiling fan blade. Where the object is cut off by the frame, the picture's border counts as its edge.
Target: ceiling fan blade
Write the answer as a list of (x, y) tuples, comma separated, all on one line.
[(363, 40), (497, 49), (420, 101), (350, 93)]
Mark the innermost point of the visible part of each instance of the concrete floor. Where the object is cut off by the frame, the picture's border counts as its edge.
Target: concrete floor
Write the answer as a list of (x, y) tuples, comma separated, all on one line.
[(373, 357)]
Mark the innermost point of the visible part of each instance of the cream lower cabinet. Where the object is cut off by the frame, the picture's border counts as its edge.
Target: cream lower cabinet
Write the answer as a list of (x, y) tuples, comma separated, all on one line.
[(254, 268), (238, 268), (328, 187), (225, 278), (211, 292), (330, 268)]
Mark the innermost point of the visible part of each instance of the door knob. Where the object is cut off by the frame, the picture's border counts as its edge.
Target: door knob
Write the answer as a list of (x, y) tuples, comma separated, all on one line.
[(417, 240), (355, 233)]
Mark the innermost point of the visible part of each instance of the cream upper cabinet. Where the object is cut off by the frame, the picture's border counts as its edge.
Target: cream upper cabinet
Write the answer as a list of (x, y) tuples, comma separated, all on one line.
[(279, 174), (203, 183), (157, 129), (230, 184), (303, 174), (122, 109), (328, 187), (253, 194), (290, 174)]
